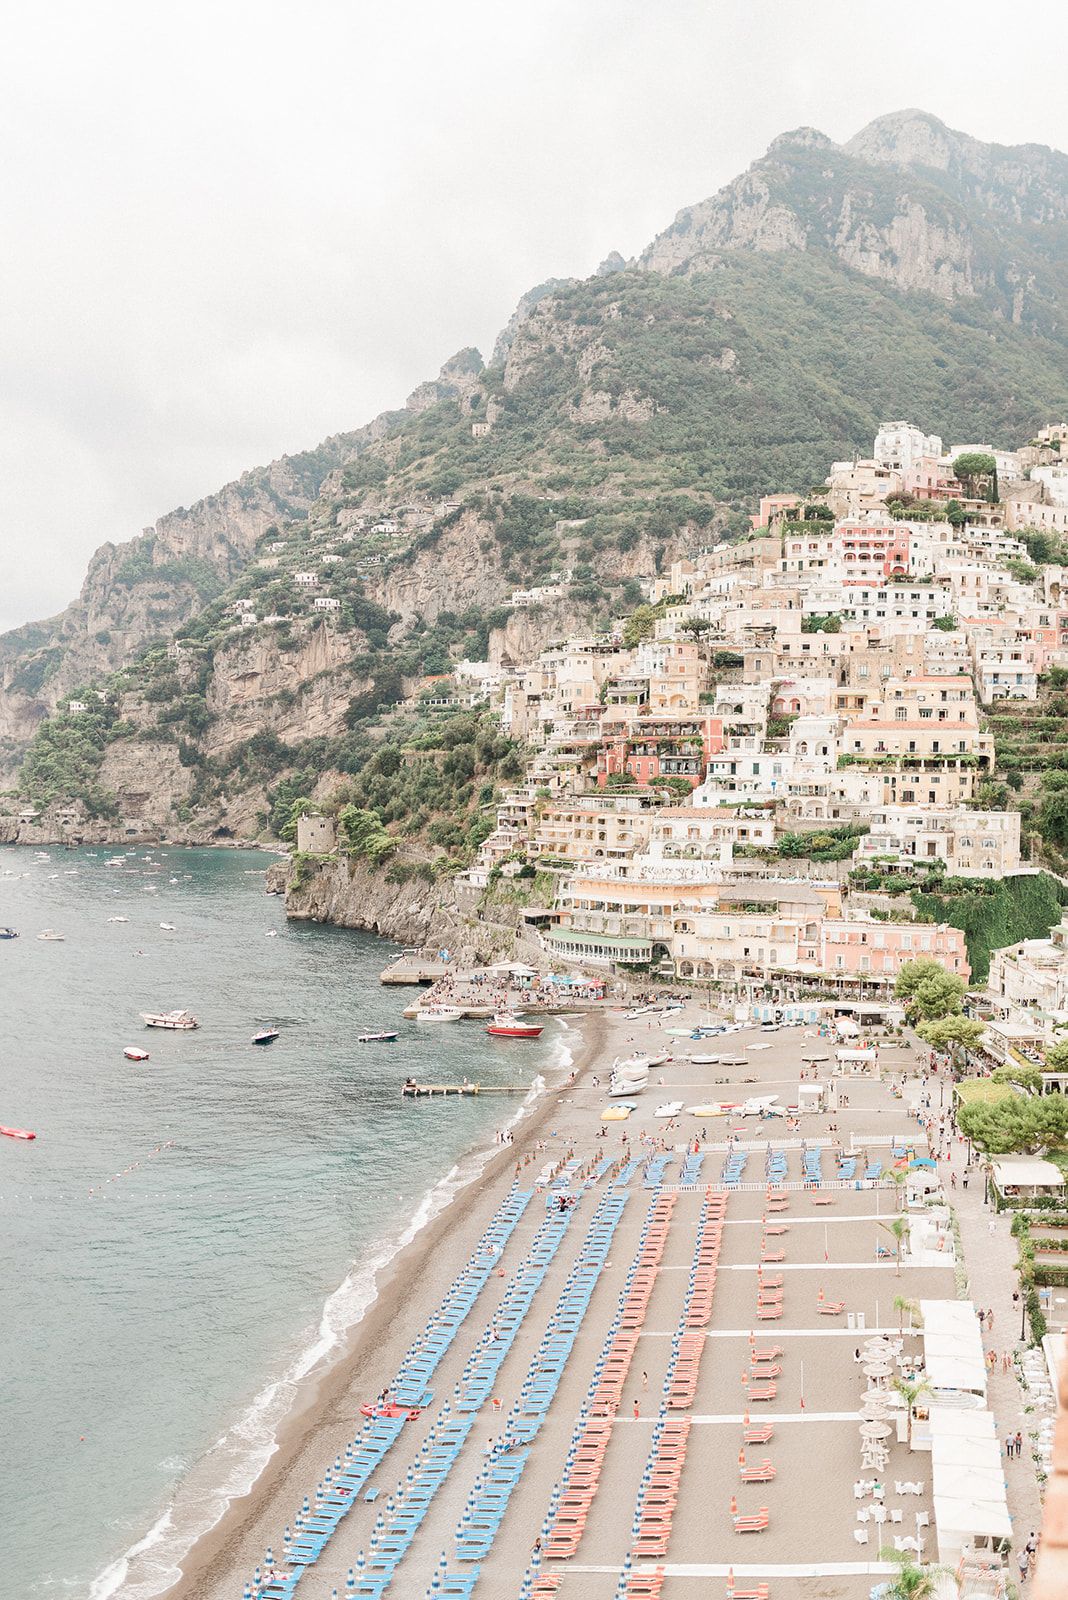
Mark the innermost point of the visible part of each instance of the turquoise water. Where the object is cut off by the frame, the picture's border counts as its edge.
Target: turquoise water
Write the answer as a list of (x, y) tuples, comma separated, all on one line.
[(186, 1235)]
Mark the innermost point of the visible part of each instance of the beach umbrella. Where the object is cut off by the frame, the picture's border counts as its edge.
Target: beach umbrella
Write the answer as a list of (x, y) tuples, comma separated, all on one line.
[(350, 1581), (268, 1559), (875, 1430), (877, 1369), (248, 1592), (359, 1561)]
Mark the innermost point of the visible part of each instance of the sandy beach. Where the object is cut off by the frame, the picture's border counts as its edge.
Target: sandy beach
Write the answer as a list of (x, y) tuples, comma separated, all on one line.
[(834, 1249)]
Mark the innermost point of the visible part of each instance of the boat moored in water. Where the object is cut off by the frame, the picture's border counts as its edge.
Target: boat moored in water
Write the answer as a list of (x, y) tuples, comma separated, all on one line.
[(507, 1026), (17, 1133), (175, 1021), (132, 1053), (436, 1012), (375, 1038), (8, 933), (50, 936), (266, 1036)]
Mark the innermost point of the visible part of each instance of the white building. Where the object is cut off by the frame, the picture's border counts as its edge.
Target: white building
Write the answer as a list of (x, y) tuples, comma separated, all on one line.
[(902, 445), (325, 602), (306, 580)]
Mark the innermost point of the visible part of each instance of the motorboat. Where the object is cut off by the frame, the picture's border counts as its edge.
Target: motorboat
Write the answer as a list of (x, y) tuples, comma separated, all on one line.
[(376, 1038), (118, 919), (168, 927), (672, 1109), (8, 933), (629, 1083), (438, 1012), (17, 1133), (636, 1063), (266, 1036), (272, 933), (50, 936), (507, 1026), (661, 1058), (639, 1011), (175, 1021), (133, 1054)]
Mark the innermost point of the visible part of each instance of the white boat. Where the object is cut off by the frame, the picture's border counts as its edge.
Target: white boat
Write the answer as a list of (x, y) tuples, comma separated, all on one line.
[(118, 919), (636, 1062), (50, 936), (168, 927), (705, 1061), (176, 1021), (660, 1059), (272, 933), (672, 1109), (439, 1013), (641, 1011)]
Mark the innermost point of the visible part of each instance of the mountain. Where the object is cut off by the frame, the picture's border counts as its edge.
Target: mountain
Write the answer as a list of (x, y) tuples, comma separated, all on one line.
[(623, 419)]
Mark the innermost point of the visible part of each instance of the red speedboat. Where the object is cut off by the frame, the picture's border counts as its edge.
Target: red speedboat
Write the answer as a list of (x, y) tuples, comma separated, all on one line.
[(507, 1026), (17, 1133)]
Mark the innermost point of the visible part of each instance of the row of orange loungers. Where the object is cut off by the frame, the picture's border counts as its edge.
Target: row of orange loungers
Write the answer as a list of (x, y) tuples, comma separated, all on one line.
[(658, 1494), (758, 1380), (569, 1510)]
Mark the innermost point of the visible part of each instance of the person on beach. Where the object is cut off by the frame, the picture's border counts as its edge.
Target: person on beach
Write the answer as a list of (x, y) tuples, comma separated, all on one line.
[(637, 1412)]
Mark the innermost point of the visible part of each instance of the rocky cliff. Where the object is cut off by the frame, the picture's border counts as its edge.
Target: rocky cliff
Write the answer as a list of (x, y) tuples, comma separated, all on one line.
[(907, 200), (275, 637)]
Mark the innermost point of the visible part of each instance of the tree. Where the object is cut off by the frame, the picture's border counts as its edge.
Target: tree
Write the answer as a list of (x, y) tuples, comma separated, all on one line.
[(945, 624), (1016, 1125), (913, 1580), (1053, 817), (975, 464), (928, 990), (910, 1391), (898, 1176), (956, 515), (903, 1304), (1028, 1078), (638, 626), (1057, 1057), (957, 1033), (899, 1229)]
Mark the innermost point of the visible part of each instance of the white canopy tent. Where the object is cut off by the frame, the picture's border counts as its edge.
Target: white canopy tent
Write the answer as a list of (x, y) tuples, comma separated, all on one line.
[(968, 1483), (953, 1347)]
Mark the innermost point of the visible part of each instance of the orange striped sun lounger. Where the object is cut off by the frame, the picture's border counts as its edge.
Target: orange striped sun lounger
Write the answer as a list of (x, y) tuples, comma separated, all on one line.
[(830, 1308), (752, 1524), (759, 1434), (759, 1472), (766, 1391)]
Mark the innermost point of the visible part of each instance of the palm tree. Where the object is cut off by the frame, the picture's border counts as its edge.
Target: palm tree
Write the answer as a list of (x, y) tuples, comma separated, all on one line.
[(900, 1230), (910, 1390), (913, 1580), (898, 1176), (902, 1303)]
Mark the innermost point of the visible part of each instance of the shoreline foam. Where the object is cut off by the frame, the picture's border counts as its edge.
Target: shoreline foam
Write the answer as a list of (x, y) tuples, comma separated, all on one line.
[(145, 1571)]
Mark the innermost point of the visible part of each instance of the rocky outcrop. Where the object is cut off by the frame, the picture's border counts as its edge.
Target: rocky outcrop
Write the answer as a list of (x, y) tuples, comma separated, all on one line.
[(907, 200), (299, 692), (350, 894), (457, 380)]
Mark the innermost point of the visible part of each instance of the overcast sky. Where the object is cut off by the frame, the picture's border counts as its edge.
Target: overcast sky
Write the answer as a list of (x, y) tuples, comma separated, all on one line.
[(229, 229)]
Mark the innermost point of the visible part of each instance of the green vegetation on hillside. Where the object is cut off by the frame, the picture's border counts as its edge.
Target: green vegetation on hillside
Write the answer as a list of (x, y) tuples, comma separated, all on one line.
[(994, 914)]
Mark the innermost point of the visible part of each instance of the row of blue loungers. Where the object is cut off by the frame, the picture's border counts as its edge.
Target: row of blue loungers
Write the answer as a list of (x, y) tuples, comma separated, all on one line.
[(347, 1479)]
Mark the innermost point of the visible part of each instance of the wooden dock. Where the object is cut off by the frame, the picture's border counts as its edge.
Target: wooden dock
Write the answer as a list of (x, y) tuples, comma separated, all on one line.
[(407, 970), (419, 1091)]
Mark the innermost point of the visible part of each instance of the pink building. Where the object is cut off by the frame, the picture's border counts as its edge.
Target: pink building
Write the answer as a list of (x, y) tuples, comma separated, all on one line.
[(856, 947), (867, 550)]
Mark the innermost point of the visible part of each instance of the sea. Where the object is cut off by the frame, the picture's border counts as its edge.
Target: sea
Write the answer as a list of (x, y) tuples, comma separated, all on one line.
[(187, 1237)]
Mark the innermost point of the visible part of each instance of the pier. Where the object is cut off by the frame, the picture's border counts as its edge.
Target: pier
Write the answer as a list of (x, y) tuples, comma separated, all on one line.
[(415, 970), (419, 1091)]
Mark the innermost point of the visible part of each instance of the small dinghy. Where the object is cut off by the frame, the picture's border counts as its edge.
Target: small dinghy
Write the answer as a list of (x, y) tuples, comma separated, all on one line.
[(266, 1036), (132, 1053), (17, 1133), (672, 1109)]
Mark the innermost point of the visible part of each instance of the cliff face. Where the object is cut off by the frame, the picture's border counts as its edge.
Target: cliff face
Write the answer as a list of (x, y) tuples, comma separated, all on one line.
[(622, 421), (907, 200)]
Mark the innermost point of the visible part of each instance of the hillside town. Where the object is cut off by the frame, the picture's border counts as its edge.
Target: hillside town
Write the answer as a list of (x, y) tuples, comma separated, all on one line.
[(740, 785)]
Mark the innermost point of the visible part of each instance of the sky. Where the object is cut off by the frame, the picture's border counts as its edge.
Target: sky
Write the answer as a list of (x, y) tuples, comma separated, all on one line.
[(228, 230)]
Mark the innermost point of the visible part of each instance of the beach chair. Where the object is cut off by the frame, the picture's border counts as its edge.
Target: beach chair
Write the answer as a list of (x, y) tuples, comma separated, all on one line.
[(772, 1256), (766, 1391), (830, 1308), (758, 1591), (756, 1522), (758, 1433), (860, 1535), (760, 1472)]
